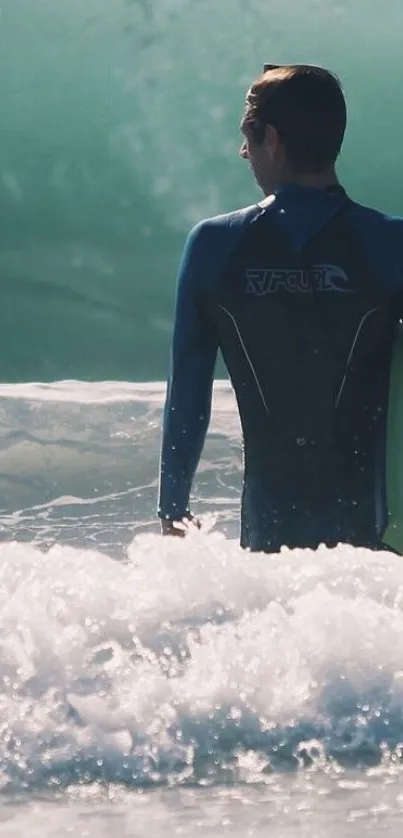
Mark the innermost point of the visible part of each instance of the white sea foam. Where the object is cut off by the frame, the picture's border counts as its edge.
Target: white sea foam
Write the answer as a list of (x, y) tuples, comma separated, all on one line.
[(179, 662)]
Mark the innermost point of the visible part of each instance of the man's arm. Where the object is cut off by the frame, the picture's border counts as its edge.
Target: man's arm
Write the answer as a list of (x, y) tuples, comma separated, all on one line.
[(188, 400)]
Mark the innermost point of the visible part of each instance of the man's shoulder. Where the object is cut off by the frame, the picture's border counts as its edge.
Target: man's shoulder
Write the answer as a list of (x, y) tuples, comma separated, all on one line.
[(210, 243), (381, 235), (227, 223), (375, 218)]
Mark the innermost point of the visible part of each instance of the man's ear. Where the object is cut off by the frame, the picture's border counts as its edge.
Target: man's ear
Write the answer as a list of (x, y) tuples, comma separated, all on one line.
[(272, 140)]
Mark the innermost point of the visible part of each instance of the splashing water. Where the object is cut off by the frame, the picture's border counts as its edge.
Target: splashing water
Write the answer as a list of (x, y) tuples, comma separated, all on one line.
[(196, 663)]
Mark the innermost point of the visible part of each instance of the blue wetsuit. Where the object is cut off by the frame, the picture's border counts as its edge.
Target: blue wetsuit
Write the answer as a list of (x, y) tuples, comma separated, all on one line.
[(302, 295)]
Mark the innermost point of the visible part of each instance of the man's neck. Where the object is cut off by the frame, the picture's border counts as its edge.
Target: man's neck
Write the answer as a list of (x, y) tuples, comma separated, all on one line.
[(314, 180)]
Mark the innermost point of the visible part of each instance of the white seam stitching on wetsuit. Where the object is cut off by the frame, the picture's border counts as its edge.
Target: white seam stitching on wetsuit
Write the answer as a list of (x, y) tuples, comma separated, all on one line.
[(231, 316), (362, 321)]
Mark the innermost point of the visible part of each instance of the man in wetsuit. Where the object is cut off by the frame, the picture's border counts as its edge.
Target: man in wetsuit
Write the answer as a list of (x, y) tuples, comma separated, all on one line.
[(302, 294)]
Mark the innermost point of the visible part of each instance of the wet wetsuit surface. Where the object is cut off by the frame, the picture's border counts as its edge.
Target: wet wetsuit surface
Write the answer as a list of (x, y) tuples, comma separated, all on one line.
[(301, 294)]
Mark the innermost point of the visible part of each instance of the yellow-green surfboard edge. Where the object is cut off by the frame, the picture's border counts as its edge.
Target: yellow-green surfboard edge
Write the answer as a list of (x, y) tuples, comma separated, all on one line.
[(393, 535)]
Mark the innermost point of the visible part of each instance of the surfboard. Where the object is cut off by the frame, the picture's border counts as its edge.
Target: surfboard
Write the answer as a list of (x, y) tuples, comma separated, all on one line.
[(393, 535)]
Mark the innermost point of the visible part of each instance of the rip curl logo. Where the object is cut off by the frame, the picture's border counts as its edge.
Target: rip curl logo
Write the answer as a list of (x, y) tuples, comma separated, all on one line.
[(262, 281)]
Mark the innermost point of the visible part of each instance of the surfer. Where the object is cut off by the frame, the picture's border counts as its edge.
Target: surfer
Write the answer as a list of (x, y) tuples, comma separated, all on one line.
[(301, 293)]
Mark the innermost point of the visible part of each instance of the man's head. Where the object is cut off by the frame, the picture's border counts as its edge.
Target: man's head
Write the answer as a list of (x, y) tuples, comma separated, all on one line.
[(293, 125)]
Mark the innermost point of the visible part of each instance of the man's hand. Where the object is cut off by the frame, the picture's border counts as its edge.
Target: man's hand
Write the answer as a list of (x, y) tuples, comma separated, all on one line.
[(179, 528)]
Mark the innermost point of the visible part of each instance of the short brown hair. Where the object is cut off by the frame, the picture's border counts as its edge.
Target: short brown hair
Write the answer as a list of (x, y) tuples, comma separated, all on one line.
[(307, 107)]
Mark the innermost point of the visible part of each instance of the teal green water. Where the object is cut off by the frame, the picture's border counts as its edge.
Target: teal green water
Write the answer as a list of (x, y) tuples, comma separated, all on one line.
[(119, 130)]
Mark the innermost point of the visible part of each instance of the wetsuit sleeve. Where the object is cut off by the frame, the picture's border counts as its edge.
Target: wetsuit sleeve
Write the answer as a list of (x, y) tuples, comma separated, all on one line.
[(189, 391)]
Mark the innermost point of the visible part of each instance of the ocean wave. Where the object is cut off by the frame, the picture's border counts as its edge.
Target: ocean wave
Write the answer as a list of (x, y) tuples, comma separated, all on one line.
[(195, 662)]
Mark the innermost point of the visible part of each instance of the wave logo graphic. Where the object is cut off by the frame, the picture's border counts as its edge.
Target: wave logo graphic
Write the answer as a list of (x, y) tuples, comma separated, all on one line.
[(262, 281)]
